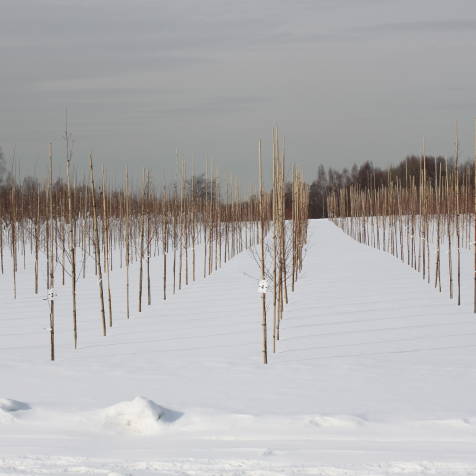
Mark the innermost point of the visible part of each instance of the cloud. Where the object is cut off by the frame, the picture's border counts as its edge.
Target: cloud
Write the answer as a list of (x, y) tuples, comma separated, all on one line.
[(144, 76), (457, 25)]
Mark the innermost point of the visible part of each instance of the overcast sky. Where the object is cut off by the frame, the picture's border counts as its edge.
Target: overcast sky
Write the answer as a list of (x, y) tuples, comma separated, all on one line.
[(345, 80)]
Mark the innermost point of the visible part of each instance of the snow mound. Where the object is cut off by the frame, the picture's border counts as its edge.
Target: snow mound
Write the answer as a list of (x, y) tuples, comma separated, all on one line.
[(140, 416), (8, 405)]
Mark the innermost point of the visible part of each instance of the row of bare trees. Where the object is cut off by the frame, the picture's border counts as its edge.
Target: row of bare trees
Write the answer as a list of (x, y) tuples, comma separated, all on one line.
[(425, 220), (67, 224), (73, 228), (283, 236)]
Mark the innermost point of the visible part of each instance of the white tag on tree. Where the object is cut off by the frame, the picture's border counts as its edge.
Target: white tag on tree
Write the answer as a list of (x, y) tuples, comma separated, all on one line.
[(263, 286), (51, 295)]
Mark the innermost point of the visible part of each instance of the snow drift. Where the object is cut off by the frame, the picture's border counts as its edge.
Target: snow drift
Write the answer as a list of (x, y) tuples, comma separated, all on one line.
[(139, 416), (8, 406)]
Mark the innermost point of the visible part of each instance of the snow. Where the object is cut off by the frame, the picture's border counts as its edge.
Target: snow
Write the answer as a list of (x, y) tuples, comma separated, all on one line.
[(375, 374), (8, 405), (140, 415)]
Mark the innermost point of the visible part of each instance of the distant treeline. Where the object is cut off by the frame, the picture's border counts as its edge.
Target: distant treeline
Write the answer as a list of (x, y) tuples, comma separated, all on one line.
[(328, 180), (199, 186), (369, 176)]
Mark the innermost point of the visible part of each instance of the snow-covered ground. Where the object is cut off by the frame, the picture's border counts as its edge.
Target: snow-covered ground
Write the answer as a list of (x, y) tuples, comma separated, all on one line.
[(375, 374)]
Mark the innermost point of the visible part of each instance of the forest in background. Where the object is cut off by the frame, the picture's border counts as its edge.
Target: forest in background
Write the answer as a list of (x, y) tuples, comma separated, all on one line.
[(368, 176), (365, 176)]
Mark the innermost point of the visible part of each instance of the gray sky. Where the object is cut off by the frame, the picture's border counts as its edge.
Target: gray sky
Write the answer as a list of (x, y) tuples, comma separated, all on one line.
[(345, 80)]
